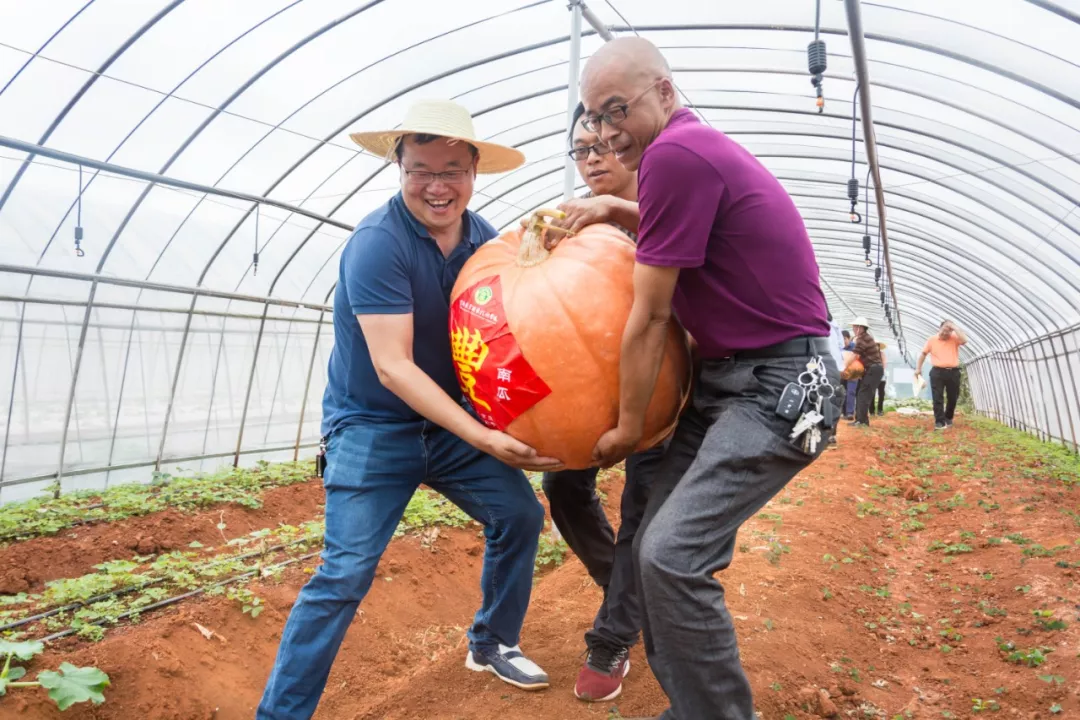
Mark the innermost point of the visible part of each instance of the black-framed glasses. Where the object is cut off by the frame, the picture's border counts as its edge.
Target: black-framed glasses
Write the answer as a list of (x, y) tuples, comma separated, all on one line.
[(582, 151), (426, 177), (614, 114)]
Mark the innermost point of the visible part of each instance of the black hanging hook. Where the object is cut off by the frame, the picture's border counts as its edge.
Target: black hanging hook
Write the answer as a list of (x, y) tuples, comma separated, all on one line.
[(817, 60), (255, 257), (853, 196), (79, 252)]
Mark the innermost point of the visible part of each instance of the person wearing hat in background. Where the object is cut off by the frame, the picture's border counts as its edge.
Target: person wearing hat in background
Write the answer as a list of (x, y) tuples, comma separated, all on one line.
[(394, 416), (945, 377), (882, 386), (869, 354)]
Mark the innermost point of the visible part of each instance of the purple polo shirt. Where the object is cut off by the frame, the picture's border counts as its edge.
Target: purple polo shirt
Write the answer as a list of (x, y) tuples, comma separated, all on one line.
[(748, 276)]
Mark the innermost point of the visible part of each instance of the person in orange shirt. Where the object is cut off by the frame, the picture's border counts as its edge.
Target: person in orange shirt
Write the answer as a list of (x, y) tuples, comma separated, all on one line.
[(945, 376)]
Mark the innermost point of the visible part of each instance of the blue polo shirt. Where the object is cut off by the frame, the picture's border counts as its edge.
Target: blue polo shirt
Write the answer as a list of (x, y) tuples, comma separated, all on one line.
[(392, 265)]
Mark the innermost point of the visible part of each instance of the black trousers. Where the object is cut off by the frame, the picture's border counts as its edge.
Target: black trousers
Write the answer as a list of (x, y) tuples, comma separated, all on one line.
[(577, 512), (881, 397), (864, 398), (730, 455), (945, 388)]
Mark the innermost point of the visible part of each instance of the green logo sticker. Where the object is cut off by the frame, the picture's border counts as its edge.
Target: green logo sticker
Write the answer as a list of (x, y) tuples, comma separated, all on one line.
[(483, 295)]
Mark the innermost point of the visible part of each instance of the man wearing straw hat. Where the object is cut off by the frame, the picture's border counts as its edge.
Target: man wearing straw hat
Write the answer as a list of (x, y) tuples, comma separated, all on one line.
[(870, 355), (394, 416)]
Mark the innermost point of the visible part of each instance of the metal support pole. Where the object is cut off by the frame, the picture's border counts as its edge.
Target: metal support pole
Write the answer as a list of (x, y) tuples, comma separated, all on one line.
[(1042, 396), (74, 386), (150, 177), (175, 382), (600, 28), (569, 171), (1013, 365), (1054, 394), (14, 383), (1003, 404), (1076, 398), (999, 386), (975, 383), (307, 388), (1016, 367), (1027, 394), (984, 405), (251, 383), (213, 383), (862, 73), (986, 372)]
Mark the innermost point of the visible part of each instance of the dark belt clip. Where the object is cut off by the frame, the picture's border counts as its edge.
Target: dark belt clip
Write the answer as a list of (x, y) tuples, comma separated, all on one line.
[(320, 459)]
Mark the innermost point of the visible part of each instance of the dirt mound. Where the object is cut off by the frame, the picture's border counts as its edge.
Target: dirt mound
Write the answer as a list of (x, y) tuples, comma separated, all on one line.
[(850, 600), (907, 573), (26, 566), (165, 669)]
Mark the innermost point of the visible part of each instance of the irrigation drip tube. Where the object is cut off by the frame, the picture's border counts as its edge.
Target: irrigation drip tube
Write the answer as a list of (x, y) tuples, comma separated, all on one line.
[(172, 600), (155, 581), (178, 598)]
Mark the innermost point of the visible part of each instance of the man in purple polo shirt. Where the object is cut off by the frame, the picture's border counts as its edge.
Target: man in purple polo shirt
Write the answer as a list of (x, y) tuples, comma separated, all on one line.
[(722, 245)]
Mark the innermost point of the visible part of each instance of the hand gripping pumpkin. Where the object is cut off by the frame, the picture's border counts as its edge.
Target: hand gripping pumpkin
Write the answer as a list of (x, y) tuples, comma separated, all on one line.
[(854, 368), (536, 338)]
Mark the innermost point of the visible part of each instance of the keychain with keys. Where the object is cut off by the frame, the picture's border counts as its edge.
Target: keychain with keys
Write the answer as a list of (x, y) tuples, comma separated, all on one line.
[(818, 393)]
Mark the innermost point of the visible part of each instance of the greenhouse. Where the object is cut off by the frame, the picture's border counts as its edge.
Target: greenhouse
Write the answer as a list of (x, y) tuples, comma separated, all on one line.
[(178, 187)]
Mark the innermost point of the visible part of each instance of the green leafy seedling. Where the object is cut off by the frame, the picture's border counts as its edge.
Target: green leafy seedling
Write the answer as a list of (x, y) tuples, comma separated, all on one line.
[(68, 686)]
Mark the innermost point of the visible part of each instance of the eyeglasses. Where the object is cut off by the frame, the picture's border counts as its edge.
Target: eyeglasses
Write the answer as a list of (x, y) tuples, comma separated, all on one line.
[(615, 114), (582, 152), (425, 177)]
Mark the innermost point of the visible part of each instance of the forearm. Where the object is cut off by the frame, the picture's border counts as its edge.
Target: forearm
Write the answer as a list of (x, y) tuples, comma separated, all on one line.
[(625, 213), (416, 388), (642, 354), (919, 364)]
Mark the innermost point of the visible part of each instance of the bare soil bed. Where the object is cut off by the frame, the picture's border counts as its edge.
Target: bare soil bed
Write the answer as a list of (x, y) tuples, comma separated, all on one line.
[(907, 574)]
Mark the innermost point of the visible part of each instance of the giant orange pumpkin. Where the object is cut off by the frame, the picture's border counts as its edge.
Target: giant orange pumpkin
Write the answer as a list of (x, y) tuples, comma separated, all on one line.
[(537, 335)]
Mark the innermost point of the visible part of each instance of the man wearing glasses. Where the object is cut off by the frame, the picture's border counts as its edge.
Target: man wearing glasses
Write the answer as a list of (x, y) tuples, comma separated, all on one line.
[(394, 417), (723, 247), (571, 494)]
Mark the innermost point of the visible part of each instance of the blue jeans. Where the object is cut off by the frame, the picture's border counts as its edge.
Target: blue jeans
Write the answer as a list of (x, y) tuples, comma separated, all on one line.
[(372, 471), (849, 400)]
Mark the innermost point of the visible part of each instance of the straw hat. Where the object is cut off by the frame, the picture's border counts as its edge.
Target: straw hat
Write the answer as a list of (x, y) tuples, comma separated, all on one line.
[(446, 119), (860, 321)]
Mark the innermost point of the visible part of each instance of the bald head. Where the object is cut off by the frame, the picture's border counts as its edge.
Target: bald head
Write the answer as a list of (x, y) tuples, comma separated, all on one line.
[(629, 96), (633, 57)]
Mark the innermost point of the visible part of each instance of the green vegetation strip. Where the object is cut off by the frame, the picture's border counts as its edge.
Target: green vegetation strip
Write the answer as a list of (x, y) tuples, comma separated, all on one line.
[(239, 486), (122, 589)]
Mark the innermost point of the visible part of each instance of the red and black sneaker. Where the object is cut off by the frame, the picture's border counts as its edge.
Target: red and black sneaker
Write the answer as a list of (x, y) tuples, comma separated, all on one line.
[(601, 678)]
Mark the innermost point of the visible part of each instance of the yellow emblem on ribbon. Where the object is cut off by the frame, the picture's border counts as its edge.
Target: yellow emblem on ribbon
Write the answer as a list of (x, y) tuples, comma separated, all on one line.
[(469, 351)]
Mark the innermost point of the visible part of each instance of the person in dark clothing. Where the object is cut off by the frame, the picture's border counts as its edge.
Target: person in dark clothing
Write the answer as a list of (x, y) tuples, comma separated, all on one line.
[(882, 385), (716, 230), (575, 506), (869, 354)]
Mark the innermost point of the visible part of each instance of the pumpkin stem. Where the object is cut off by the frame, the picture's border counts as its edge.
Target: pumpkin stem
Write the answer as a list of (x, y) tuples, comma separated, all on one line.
[(532, 251)]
